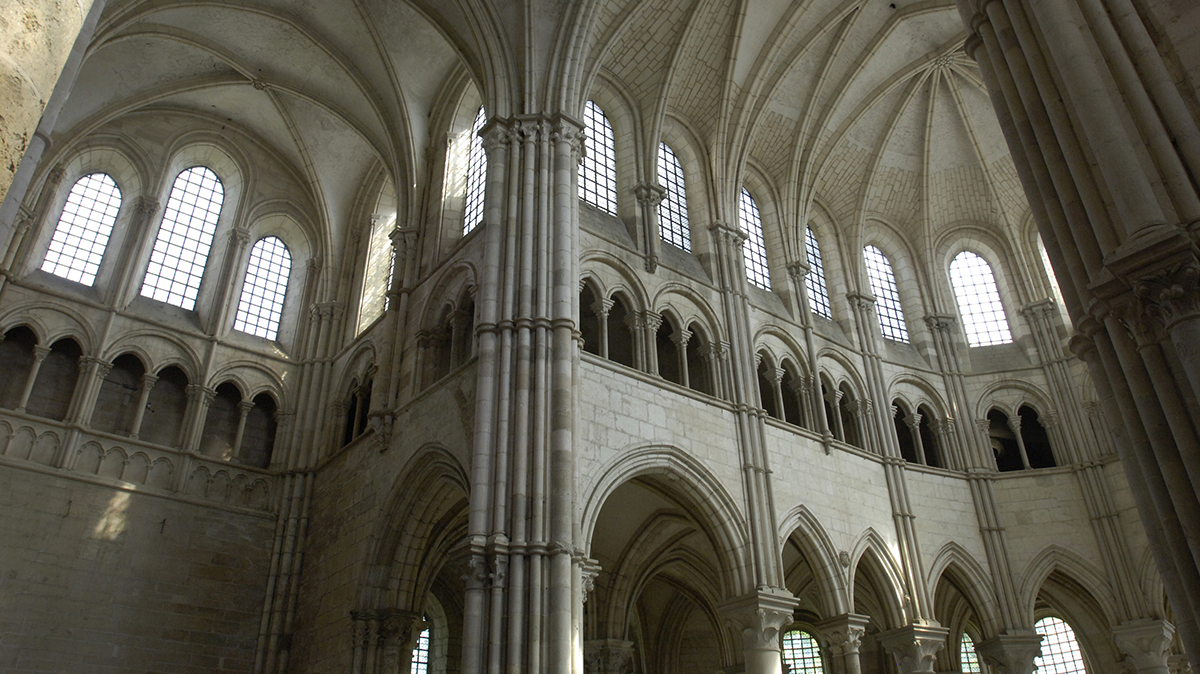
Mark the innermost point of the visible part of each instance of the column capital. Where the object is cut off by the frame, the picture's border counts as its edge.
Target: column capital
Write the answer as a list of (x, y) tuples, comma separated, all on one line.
[(731, 234), (40, 352), (862, 301), (400, 628), (843, 633), (759, 617), (798, 269), (1146, 644), (608, 656), (649, 194), (1011, 652), (915, 647), (940, 322)]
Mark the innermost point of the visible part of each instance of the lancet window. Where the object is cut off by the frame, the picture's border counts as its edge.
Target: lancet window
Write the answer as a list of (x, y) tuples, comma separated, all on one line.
[(184, 238), (264, 290), (476, 177), (598, 170), (887, 297), (83, 229), (672, 210), (754, 249), (818, 292), (978, 300)]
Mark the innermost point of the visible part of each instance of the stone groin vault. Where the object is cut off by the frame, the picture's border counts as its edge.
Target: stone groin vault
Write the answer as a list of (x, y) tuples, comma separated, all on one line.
[(601, 337)]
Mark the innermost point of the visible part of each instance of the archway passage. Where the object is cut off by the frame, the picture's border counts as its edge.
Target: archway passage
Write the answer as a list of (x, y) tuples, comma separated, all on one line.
[(654, 608)]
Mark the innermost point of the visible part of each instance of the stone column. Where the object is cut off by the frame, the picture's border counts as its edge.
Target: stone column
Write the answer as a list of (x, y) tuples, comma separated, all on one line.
[(1014, 424), (39, 356), (757, 621), (649, 195), (834, 398), (914, 426), (843, 636), (1012, 652), (650, 322), (1146, 644), (244, 408), (608, 656), (915, 647), (92, 372), (777, 390), (602, 306), (199, 398), (681, 338), (143, 399)]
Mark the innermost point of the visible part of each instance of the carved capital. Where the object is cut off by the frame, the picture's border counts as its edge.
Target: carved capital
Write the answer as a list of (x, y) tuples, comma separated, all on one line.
[(940, 322), (608, 656), (1171, 294), (843, 633), (1011, 653), (1145, 643), (914, 647), (759, 617), (649, 194)]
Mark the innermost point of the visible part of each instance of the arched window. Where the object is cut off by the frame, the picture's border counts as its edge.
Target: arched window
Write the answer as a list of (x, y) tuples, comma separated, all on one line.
[(420, 654), (83, 229), (476, 177), (755, 249), (818, 292), (264, 289), (801, 653), (978, 300), (184, 238), (598, 170), (672, 210), (887, 297), (1060, 649), (967, 656)]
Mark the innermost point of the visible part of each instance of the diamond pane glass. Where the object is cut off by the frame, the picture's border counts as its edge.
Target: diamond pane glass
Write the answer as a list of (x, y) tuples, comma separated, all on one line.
[(420, 657), (978, 300), (476, 177), (801, 653), (967, 656), (83, 229), (184, 238), (818, 292), (755, 249), (598, 170), (264, 289), (672, 210), (887, 297), (1060, 649)]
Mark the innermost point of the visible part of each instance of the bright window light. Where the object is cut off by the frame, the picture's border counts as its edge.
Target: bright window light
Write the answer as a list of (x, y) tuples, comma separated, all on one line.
[(83, 229), (598, 170), (264, 289), (672, 210), (818, 292), (420, 656), (978, 300), (967, 656), (1060, 649), (184, 238), (887, 297), (801, 653), (476, 177), (755, 249)]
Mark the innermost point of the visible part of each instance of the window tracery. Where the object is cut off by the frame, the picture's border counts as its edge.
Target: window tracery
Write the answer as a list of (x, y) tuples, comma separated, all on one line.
[(887, 296), (801, 653), (184, 238), (83, 229), (978, 300), (598, 170), (754, 249), (672, 210), (264, 289), (818, 292), (476, 177), (1060, 649)]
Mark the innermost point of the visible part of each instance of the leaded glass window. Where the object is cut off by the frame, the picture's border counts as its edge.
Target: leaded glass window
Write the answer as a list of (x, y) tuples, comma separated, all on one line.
[(476, 177), (672, 210), (83, 229), (1060, 649), (801, 653), (887, 297), (184, 238), (978, 300), (598, 170), (818, 292), (264, 289), (967, 656), (754, 249), (420, 654)]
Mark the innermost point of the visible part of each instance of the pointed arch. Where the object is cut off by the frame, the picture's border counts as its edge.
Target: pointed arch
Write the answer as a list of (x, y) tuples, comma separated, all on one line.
[(871, 554), (972, 580), (802, 526), (1055, 558)]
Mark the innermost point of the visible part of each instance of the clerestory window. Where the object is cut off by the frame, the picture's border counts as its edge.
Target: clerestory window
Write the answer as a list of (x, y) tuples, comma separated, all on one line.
[(264, 289), (887, 297), (1060, 648), (598, 170), (818, 292), (476, 177), (754, 250), (672, 210), (978, 300), (184, 238), (83, 229), (801, 653)]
